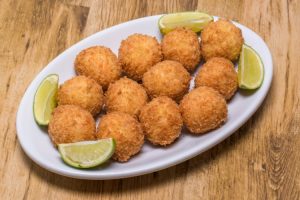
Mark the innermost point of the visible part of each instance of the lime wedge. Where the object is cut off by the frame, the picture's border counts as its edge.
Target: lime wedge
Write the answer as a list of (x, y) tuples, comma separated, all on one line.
[(193, 20), (45, 99), (250, 69), (87, 154)]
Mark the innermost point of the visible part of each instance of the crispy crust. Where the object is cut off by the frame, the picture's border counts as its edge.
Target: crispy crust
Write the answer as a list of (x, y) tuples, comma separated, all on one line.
[(125, 95), (100, 64), (70, 123), (161, 121), (182, 45), (221, 39), (82, 91), (203, 109), (138, 53), (126, 131), (167, 78), (219, 74)]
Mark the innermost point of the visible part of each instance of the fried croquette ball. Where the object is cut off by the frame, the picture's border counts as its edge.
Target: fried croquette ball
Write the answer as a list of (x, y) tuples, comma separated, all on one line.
[(81, 91), (219, 74), (126, 131), (167, 78), (70, 123), (203, 109), (221, 39), (161, 121), (100, 64), (138, 53), (182, 45), (125, 95)]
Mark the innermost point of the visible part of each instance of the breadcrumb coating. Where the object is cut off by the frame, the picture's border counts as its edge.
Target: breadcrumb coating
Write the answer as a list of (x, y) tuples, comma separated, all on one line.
[(125, 95), (126, 131), (138, 53), (221, 39), (70, 123), (218, 73), (161, 121), (167, 78), (100, 64), (203, 109), (182, 45), (81, 91)]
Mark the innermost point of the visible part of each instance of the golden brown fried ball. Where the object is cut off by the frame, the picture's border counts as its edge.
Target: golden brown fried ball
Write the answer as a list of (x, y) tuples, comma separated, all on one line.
[(100, 64), (219, 74), (167, 78), (138, 53), (70, 123), (161, 121), (203, 109), (81, 91), (125, 95), (182, 45), (221, 39), (126, 131)]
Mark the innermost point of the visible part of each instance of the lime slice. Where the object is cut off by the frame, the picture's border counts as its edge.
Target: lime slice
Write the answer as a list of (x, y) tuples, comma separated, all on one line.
[(250, 69), (45, 99), (193, 20), (87, 154)]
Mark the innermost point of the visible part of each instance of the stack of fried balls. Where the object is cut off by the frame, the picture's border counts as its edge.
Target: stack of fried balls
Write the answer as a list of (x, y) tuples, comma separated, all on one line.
[(143, 92)]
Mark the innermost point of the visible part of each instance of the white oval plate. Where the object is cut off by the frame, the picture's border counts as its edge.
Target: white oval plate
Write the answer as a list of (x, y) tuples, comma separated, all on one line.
[(37, 145)]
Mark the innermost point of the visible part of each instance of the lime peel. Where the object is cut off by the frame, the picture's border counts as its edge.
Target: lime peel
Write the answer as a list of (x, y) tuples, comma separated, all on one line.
[(250, 69), (196, 21), (87, 154), (45, 99)]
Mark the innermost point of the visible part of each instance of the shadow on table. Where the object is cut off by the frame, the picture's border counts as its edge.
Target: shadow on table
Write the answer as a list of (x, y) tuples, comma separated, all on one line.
[(149, 181)]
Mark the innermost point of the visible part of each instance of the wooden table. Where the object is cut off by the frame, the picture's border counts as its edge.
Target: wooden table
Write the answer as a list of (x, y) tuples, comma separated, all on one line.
[(260, 161)]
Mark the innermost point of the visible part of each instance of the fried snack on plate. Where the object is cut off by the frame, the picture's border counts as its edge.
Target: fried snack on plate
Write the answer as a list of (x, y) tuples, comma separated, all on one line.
[(125, 95), (161, 121), (81, 91), (218, 73), (70, 123), (138, 53), (125, 130), (221, 39), (167, 78), (203, 109), (182, 45), (100, 64)]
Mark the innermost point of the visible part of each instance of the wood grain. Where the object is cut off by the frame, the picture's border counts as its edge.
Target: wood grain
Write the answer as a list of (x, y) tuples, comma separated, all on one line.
[(260, 161)]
